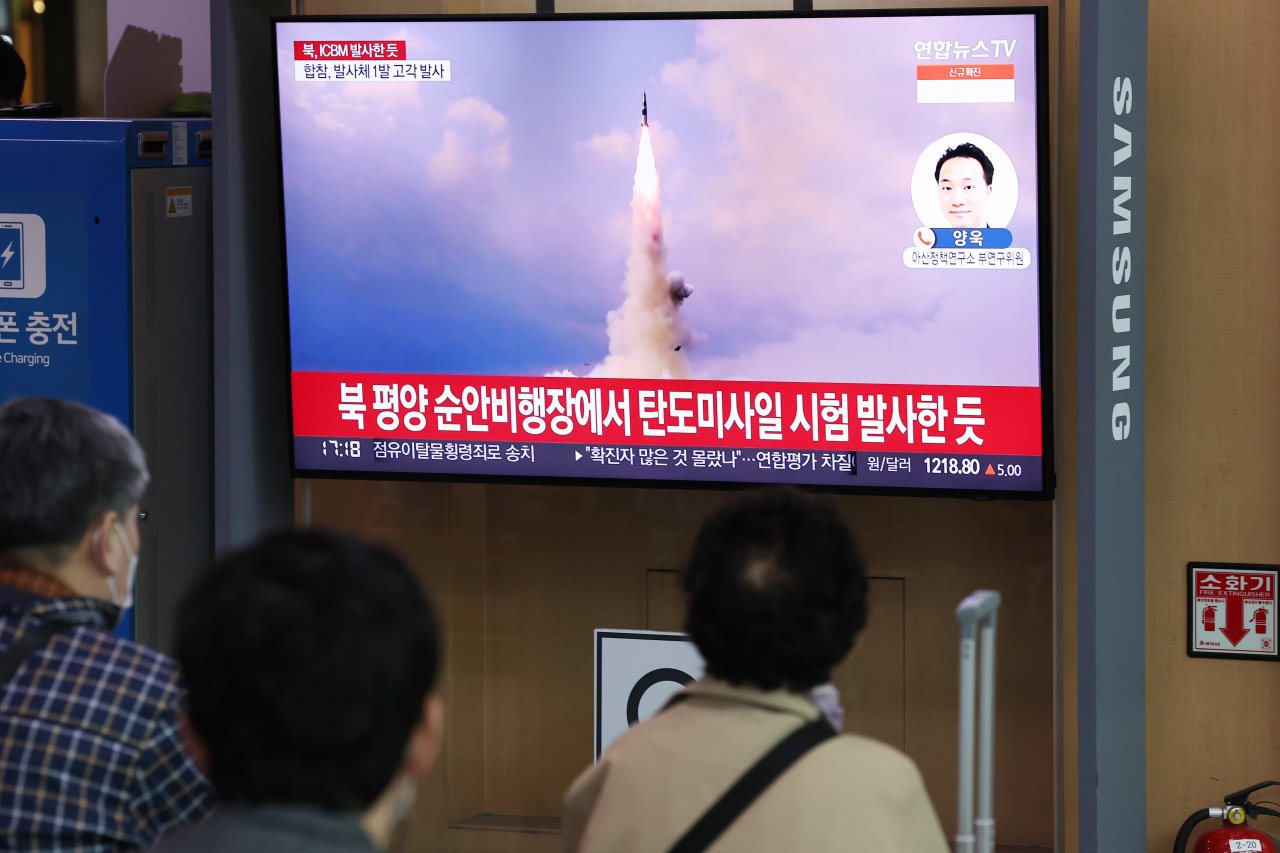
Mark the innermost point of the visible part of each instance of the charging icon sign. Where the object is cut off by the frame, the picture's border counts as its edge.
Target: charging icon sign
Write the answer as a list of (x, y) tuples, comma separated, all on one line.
[(22, 261), (11, 255)]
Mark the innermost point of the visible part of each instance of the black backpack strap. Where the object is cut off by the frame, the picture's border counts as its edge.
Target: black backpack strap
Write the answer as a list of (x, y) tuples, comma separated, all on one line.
[(31, 641), (751, 785)]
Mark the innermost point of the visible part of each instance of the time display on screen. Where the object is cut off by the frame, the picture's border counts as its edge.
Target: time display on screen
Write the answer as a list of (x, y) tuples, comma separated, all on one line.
[(341, 448)]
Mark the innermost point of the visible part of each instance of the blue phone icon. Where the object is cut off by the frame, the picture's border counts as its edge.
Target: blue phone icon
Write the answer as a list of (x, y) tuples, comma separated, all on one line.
[(11, 255)]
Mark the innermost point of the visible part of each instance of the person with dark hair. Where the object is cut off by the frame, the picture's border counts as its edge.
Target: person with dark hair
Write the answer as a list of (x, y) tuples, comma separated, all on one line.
[(91, 754), (964, 176), (744, 758), (13, 75), (311, 662)]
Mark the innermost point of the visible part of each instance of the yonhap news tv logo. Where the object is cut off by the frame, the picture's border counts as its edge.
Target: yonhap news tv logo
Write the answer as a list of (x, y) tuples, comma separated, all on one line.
[(22, 258)]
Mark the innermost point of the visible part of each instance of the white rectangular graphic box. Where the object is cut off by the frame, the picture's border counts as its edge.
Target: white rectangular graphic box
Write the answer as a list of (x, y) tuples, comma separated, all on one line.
[(965, 83), (637, 672)]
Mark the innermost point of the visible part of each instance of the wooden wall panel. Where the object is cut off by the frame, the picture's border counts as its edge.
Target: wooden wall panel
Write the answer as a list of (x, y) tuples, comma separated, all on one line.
[(564, 562), (670, 5), (467, 624), (665, 602), (873, 679), (945, 549), (417, 7), (1213, 371), (1065, 42)]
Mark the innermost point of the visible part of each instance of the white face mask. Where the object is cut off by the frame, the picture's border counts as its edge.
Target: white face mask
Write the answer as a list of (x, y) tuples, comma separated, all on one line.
[(133, 568), (404, 799)]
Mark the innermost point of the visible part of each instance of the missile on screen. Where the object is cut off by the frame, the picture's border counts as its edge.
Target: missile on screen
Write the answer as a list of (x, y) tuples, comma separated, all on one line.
[(644, 109)]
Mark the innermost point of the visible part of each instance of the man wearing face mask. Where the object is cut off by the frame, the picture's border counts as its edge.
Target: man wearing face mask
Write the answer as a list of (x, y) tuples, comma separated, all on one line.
[(91, 756)]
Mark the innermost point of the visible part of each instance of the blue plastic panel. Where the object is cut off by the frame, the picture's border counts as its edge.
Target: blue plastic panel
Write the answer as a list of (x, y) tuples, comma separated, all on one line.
[(65, 221)]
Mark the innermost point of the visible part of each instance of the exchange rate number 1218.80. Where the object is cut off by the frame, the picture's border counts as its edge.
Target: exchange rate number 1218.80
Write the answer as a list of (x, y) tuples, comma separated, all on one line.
[(951, 465)]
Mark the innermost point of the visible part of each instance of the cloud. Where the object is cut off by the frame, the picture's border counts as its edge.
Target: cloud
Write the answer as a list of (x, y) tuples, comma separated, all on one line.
[(478, 112), (785, 103), (616, 150), (476, 144), (808, 186), (359, 108), (943, 350), (349, 117)]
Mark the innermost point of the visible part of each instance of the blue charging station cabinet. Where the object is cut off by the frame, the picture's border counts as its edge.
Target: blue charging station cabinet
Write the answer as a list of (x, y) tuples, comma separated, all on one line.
[(105, 298)]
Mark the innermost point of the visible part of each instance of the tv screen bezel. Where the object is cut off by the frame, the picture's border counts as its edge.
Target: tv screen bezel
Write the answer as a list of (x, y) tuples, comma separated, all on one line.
[(1044, 250)]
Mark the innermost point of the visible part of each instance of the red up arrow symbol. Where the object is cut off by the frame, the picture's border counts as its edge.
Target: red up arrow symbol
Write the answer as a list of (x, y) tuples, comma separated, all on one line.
[(1235, 630)]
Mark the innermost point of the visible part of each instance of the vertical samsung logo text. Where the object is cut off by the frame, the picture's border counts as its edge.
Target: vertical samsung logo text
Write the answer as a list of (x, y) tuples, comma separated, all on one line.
[(1121, 261)]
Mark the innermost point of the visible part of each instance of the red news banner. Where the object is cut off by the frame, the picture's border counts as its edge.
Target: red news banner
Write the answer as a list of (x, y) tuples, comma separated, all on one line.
[(312, 50), (976, 420)]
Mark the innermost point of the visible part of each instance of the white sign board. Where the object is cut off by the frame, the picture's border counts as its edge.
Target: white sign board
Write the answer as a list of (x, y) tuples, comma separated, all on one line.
[(1232, 610), (637, 672)]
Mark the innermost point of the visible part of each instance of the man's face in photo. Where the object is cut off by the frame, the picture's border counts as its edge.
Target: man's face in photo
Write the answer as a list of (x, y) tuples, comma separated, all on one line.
[(963, 193)]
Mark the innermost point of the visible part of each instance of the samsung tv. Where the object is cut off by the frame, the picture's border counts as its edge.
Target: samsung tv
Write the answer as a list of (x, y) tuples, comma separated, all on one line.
[(806, 248)]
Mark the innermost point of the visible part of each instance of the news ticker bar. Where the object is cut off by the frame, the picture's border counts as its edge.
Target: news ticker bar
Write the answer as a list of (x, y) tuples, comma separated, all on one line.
[(636, 462)]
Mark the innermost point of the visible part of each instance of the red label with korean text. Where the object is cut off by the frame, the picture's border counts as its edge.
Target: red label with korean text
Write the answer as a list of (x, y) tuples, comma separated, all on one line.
[(964, 72), (313, 50), (1233, 610)]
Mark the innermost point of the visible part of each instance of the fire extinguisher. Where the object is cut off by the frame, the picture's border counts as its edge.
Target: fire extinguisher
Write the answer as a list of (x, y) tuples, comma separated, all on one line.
[(1208, 619), (1235, 835), (1260, 620)]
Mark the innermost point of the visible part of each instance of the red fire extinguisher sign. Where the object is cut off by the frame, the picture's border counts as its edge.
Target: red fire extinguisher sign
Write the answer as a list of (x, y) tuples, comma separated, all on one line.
[(1232, 610)]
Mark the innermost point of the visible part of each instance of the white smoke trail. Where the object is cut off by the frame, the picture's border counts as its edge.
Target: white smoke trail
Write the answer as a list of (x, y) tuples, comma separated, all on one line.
[(646, 330)]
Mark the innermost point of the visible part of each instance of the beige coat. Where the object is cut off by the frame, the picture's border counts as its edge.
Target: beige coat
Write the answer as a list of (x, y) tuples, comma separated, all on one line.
[(850, 794)]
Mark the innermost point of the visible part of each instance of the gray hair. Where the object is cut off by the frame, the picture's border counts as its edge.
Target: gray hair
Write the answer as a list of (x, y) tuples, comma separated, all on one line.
[(61, 466)]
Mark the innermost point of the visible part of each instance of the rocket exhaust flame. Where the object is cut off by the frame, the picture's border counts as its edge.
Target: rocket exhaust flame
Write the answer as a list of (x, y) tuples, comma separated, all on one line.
[(646, 181), (647, 336)]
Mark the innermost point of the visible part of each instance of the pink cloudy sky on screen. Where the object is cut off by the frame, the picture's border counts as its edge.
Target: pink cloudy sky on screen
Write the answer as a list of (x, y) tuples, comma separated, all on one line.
[(785, 150)]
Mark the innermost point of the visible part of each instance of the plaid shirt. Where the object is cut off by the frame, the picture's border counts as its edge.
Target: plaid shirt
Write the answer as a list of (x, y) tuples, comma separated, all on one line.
[(90, 754)]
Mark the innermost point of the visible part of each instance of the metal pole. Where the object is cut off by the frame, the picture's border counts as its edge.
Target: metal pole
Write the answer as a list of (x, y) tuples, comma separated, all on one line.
[(978, 610), (985, 824), (964, 805)]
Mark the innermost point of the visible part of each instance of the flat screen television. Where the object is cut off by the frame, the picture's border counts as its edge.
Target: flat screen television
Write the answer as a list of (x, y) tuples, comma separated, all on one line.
[(806, 248)]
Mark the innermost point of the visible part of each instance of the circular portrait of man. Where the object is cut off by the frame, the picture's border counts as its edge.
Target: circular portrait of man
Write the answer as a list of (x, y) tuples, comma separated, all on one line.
[(964, 180)]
